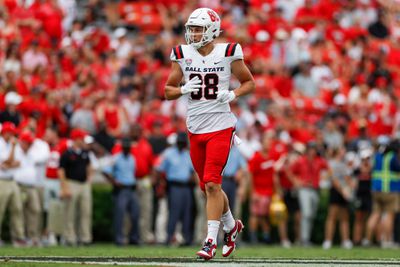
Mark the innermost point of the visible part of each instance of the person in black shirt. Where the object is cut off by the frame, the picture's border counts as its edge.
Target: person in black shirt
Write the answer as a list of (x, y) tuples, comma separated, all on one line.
[(363, 200), (75, 173), (104, 139), (157, 138), (11, 113), (379, 28)]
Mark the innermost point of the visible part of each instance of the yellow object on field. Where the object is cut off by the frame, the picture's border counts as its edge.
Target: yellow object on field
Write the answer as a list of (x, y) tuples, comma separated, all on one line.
[(278, 211)]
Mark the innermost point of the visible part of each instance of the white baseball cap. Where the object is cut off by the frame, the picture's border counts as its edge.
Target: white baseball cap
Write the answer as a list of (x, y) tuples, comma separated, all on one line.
[(299, 34), (120, 32), (88, 139), (171, 139), (262, 36), (340, 99), (66, 41), (13, 98)]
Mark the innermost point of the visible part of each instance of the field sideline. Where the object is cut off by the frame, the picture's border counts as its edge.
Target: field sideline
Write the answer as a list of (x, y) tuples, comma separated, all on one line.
[(162, 256)]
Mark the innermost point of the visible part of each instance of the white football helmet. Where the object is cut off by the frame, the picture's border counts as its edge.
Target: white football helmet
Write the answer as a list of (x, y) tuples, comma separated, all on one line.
[(209, 20)]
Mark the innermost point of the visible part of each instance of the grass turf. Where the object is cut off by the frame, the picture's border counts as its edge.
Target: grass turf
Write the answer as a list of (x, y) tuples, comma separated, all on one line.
[(268, 252)]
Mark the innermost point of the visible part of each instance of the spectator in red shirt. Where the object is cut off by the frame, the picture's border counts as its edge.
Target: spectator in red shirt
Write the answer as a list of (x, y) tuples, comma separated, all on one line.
[(37, 107), (50, 14), (283, 85), (306, 17), (112, 114), (327, 9), (99, 40), (262, 188), (305, 175), (11, 5)]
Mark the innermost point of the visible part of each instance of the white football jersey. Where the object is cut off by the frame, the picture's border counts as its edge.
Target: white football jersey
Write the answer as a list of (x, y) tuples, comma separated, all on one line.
[(205, 114)]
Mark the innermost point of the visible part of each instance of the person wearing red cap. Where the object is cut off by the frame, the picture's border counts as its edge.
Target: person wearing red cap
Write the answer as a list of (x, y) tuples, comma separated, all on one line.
[(27, 181), (10, 193), (75, 175)]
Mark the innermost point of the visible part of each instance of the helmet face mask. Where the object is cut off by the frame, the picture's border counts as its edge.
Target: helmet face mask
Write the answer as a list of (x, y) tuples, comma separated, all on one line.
[(202, 22), (194, 33)]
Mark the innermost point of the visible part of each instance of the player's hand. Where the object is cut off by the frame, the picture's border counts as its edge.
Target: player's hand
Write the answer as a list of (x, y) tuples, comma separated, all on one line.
[(192, 86), (225, 96)]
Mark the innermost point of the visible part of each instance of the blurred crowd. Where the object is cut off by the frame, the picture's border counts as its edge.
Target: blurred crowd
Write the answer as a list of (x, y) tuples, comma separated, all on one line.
[(327, 86)]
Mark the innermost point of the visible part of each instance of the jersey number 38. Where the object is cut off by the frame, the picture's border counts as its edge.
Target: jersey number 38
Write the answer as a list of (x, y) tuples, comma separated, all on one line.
[(210, 86)]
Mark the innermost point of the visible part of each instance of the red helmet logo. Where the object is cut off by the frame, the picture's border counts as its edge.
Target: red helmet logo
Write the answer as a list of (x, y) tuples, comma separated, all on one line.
[(212, 15)]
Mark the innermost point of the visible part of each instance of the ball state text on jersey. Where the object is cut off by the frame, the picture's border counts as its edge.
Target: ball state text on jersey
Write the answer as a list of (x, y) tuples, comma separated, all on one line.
[(196, 69)]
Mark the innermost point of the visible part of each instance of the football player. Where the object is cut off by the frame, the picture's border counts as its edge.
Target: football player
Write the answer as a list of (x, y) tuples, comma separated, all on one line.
[(206, 67)]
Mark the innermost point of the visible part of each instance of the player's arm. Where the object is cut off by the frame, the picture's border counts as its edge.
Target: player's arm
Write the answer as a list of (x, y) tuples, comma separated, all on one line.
[(173, 90), (243, 74)]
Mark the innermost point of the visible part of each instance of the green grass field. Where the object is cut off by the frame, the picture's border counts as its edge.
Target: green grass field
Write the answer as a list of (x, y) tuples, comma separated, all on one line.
[(159, 252), (242, 252)]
